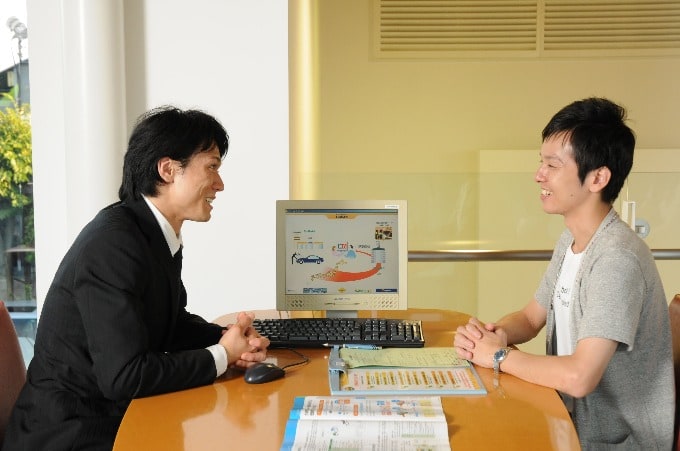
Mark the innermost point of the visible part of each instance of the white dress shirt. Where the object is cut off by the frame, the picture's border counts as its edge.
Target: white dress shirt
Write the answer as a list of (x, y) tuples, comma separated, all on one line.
[(174, 241)]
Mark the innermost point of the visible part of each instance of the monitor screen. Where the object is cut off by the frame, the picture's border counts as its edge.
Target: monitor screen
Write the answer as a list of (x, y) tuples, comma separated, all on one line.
[(341, 256)]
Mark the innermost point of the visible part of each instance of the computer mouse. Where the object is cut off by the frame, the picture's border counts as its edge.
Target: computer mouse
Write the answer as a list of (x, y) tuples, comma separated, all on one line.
[(262, 372)]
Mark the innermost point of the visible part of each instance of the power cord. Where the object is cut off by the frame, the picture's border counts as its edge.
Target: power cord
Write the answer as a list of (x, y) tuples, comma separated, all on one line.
[(304, 358)]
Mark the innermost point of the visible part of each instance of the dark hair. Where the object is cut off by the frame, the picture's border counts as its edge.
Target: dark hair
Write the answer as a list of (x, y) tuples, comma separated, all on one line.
[(162, 132), (596, 129)]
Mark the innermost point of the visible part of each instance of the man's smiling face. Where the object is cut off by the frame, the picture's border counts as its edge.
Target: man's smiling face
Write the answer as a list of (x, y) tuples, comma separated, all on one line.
[(195, 186), (557, 175)]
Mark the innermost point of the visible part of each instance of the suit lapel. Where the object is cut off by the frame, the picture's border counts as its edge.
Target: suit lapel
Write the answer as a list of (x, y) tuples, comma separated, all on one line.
[(159, 246)]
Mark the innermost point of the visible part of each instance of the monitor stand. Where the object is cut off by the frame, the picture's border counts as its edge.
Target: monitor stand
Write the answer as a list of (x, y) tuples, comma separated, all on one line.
[(338, 314)]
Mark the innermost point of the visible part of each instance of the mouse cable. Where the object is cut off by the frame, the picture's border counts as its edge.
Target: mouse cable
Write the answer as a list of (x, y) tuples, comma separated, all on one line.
[(304, 358)]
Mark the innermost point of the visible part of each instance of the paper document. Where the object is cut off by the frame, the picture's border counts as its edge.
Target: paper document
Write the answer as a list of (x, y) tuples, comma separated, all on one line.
[(403, 357), (405, 371), (357, 423)]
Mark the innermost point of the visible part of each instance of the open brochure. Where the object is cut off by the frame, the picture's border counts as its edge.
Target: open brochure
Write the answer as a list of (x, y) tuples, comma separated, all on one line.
[(366, 423), (405, 371)]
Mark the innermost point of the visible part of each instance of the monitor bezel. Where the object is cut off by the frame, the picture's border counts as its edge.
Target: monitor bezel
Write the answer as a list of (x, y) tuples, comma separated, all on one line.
[(333, 305)]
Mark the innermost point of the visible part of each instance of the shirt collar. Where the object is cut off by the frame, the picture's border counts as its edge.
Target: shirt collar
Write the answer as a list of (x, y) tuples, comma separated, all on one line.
[(174, 241)]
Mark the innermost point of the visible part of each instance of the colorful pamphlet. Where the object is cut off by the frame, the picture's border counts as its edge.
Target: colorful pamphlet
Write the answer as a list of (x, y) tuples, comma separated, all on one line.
[(406, 371), (348, 422)]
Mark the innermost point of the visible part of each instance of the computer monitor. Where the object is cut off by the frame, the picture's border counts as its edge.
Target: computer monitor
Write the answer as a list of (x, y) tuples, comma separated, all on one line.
[(341, 256)]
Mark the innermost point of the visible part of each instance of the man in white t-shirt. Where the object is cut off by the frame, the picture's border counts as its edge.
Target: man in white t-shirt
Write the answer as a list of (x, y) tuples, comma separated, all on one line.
[(601, 299)]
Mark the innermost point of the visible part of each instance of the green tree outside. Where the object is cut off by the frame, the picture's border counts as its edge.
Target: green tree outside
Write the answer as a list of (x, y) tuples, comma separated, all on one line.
[(16, 176), (16, 168)]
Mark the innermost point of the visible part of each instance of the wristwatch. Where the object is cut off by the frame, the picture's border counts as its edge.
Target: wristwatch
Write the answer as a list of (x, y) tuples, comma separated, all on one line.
[(498, 357)]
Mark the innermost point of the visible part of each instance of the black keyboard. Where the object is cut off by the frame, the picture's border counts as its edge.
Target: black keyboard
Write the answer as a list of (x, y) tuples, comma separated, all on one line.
[(326, 332)]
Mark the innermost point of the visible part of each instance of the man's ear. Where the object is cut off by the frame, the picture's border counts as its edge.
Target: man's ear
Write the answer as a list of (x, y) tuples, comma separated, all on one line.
[(601, 177), (166, 169)]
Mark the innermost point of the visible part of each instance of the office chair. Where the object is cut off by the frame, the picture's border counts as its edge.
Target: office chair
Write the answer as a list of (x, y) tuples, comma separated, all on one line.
[(674, 313), (12, 368)]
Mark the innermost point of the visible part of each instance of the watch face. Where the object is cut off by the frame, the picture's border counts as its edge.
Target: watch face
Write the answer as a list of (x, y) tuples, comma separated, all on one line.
[(500, 354)]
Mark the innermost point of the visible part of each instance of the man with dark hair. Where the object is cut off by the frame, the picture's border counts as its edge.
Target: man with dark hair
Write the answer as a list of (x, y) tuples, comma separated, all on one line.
[(601, 299), (114, 325)]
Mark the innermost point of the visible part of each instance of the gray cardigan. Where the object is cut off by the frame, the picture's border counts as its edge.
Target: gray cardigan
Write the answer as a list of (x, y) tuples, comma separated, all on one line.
[(618, 295)]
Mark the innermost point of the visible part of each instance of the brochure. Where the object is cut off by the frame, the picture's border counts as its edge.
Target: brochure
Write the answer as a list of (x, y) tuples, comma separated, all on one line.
[(363, 423), (406, 371)]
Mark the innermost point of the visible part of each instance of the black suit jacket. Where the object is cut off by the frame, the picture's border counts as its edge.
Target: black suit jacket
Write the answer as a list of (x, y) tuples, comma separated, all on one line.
[(113, 327)]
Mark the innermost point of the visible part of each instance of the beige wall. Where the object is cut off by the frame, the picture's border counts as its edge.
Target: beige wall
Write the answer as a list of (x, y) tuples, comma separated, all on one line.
[(441, 133)]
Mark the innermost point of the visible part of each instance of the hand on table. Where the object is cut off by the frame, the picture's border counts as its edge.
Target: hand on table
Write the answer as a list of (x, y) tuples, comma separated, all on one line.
[(243, 343), (477, 342)]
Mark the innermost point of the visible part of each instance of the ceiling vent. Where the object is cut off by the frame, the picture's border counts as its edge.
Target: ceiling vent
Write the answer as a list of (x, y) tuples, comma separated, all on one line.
[(543, 28)]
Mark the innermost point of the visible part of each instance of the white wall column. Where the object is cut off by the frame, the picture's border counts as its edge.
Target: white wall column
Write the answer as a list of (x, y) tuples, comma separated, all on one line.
[(94, 64), (78, 121), (226, 57)]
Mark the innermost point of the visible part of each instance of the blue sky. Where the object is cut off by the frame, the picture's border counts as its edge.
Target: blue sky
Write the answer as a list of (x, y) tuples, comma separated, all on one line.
[(8, 46)]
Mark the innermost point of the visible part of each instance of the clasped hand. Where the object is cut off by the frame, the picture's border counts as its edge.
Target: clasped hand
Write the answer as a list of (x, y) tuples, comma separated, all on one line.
[(478, 342), (243, 343)]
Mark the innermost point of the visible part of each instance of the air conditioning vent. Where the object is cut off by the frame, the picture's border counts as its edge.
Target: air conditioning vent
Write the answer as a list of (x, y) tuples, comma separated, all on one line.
[(603, 25), (539, 28)]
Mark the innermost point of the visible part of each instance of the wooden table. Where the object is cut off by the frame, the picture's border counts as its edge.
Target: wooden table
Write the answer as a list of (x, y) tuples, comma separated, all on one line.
[(230, 414)]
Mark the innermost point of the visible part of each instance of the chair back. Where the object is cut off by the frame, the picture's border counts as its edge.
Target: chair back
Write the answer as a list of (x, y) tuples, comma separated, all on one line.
[(12, 368), (674, 313)]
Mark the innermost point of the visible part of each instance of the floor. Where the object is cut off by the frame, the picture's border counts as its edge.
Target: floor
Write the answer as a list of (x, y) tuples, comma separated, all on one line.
[(26, 344), (20, 302), (23, 314)]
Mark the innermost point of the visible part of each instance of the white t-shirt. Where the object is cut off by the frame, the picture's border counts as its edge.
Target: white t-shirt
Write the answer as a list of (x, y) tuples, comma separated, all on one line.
[(562, 301)]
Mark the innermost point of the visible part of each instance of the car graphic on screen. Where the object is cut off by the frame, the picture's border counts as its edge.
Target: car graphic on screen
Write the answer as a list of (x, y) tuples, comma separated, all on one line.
[(310, 259)]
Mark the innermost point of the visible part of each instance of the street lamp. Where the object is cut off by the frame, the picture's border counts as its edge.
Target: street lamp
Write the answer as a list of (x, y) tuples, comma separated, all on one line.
[(20, 33)]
